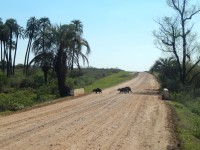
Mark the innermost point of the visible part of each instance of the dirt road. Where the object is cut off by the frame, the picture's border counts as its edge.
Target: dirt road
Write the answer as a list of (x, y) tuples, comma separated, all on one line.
[(108, 121)]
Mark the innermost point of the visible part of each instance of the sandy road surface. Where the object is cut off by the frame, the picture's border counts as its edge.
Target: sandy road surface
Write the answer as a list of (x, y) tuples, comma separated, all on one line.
[(110, 121)]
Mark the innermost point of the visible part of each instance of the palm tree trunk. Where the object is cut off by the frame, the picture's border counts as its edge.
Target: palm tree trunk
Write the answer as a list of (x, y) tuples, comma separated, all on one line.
[(13, 72), (25, 59), (60, 68), (72, 63), (2, 55), (5, 57), (7, 60), (10, 56), (45, 69), (27, 62)]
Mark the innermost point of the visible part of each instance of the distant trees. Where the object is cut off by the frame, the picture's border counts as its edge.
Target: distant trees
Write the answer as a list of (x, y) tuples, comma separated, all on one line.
[(175, 37), (30, 33), (10, 32)]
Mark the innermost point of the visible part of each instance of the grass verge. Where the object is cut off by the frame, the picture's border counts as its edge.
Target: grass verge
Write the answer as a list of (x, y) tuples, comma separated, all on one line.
[(187, 126)]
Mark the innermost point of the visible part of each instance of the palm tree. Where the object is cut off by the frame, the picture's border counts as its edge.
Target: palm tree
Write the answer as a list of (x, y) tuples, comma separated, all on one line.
[(62, 38), (77, 44), (30, 33), (79, 53), (77, 29), (1, 41), (167, 67), (4, 41), (42, 46), (12, 25), (19, 34), (68, 45)]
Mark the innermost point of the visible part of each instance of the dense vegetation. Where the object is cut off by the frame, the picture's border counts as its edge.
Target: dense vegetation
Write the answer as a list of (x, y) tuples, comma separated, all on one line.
[(19, 92), (180, 70)]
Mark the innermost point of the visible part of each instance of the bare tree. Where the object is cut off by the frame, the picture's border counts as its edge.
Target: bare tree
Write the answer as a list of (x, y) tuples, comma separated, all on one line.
[(175, 36)]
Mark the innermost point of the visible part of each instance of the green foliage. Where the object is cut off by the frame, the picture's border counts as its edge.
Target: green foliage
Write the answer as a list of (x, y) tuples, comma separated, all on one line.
[(189, 100), (188, 126), (167, 73), (16, 101), (27, 82), (171, 84), (3, 81), (44, 94)]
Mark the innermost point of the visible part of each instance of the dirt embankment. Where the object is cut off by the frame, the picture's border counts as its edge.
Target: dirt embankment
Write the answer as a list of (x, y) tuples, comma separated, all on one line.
[(108, 121)]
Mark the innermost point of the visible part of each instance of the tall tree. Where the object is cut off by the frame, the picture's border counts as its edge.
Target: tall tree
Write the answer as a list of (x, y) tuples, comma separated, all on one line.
[(62, 38), (175, 36), (42, 46), (1, 41), (30, 33), (4, 43), (12, 25), (77, 44), (19, 33)]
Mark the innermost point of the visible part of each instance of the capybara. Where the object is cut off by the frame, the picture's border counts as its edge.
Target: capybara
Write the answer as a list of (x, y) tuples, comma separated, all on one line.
[(97, 90)]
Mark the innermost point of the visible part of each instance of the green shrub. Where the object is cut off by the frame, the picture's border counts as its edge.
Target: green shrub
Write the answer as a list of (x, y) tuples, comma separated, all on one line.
[(188, 100), (17, 100), (3, 81), (38, 80), (27, 82), (70, 83)]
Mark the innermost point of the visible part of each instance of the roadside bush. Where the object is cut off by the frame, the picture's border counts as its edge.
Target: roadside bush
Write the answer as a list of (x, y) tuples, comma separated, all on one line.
[(171, 84), (38, 80), (188, 100), (27, 82), (16, 101), (70, 83), (3, 81), (43, 97)]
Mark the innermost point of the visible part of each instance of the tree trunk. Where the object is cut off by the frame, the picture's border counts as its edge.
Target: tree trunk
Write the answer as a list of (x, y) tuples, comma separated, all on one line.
[(2, 56), (13, 72), (5, 56), (26, 55), (10, 56), (72, 65), (60, 68), (45, 70), (27, 60)]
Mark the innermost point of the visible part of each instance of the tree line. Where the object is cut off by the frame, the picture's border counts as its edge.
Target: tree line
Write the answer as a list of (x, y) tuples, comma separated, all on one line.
[(55, 47)]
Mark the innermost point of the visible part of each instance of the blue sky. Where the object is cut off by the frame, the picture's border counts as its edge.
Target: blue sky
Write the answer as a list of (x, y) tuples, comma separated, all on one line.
[(119, 32)]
